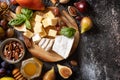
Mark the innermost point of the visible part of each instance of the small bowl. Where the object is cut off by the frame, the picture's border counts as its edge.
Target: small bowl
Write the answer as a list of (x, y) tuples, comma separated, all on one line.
[(12, 50)]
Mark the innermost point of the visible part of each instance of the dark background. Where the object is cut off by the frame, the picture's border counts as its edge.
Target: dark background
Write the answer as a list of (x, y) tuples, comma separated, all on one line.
[(100, 47)]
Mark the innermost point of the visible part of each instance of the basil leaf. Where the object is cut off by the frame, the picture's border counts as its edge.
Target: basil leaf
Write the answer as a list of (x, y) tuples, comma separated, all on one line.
[(16, 22), (21, 16), (68, 32), (28, 25), (27, 12)]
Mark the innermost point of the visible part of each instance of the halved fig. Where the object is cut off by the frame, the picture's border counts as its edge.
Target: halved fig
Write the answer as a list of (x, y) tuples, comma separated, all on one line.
[(64, 71)]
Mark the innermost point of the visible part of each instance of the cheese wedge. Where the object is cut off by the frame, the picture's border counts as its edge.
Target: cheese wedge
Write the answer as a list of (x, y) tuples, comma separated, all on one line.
[(63, 45)]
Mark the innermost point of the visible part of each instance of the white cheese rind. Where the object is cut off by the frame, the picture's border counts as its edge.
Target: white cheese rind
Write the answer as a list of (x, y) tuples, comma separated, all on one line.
[(49, 46), (41, 42), (63, 45), (45, 43)]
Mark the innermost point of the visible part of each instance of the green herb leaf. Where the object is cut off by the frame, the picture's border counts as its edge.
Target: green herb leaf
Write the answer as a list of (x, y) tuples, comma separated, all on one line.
[(28, 25), (24, 17), (16, 22), (27, 12), (21, 16), (69, 32)]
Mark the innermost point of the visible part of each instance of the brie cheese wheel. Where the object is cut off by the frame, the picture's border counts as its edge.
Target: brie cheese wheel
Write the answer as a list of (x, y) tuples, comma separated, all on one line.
[(63, 45)]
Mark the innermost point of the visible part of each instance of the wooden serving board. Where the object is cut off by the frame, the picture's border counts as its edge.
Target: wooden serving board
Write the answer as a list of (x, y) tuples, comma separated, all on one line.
[(51, 56)]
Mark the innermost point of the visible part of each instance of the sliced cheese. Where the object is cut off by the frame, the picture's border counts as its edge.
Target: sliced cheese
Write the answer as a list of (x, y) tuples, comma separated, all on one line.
[(38, 27), (49, 14), (52, 33), (28, 34), (45, 43), (41, 42), (36, 38), (38, 18), (49, 46), (63, 45), (49, 22)]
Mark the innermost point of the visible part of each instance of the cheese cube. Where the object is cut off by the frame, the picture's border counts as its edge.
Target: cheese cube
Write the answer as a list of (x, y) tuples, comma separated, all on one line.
[(38, 27), (45, 22), (63, 45), (49, 14), (28, 34), (43, 33), (36, 38), (38, 18), (52, 33), (49, 22)]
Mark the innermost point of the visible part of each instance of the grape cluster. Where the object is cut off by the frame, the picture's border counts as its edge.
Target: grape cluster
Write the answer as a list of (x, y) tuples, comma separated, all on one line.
[(5, 68)]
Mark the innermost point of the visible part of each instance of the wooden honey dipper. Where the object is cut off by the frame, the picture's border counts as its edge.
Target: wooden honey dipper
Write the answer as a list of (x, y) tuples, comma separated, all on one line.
[(17, 75)]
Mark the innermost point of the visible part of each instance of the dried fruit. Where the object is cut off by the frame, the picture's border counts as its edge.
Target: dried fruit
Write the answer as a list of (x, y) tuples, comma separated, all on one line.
[(64, 71), (10, 32), (2, 32), (86, 24), (72, 11), (49, 75)]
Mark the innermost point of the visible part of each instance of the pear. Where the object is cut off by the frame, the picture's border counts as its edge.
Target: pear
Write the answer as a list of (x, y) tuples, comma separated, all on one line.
[(49, 75), (7, 78), (86, 24)]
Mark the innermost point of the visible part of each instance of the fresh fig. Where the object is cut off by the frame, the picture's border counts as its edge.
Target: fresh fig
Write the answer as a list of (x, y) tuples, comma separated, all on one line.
[(64, 71), (49, 75)]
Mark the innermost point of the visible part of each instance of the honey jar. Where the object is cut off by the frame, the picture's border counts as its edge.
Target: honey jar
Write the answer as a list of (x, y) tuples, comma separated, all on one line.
[(31, 68)]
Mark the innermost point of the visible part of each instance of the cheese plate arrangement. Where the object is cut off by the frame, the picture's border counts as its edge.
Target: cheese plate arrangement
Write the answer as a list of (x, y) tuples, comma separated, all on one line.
[(38, 36)]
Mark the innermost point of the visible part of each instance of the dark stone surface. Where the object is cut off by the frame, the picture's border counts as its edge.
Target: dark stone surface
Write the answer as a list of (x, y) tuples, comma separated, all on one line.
[(100, 47)]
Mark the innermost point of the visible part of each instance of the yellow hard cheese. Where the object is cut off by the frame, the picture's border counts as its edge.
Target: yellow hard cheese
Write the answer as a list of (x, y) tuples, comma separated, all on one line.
[(28, 34), (52, 33), (49, 22), (38, 27), (38, 18), (43, 33), (49, 14)]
